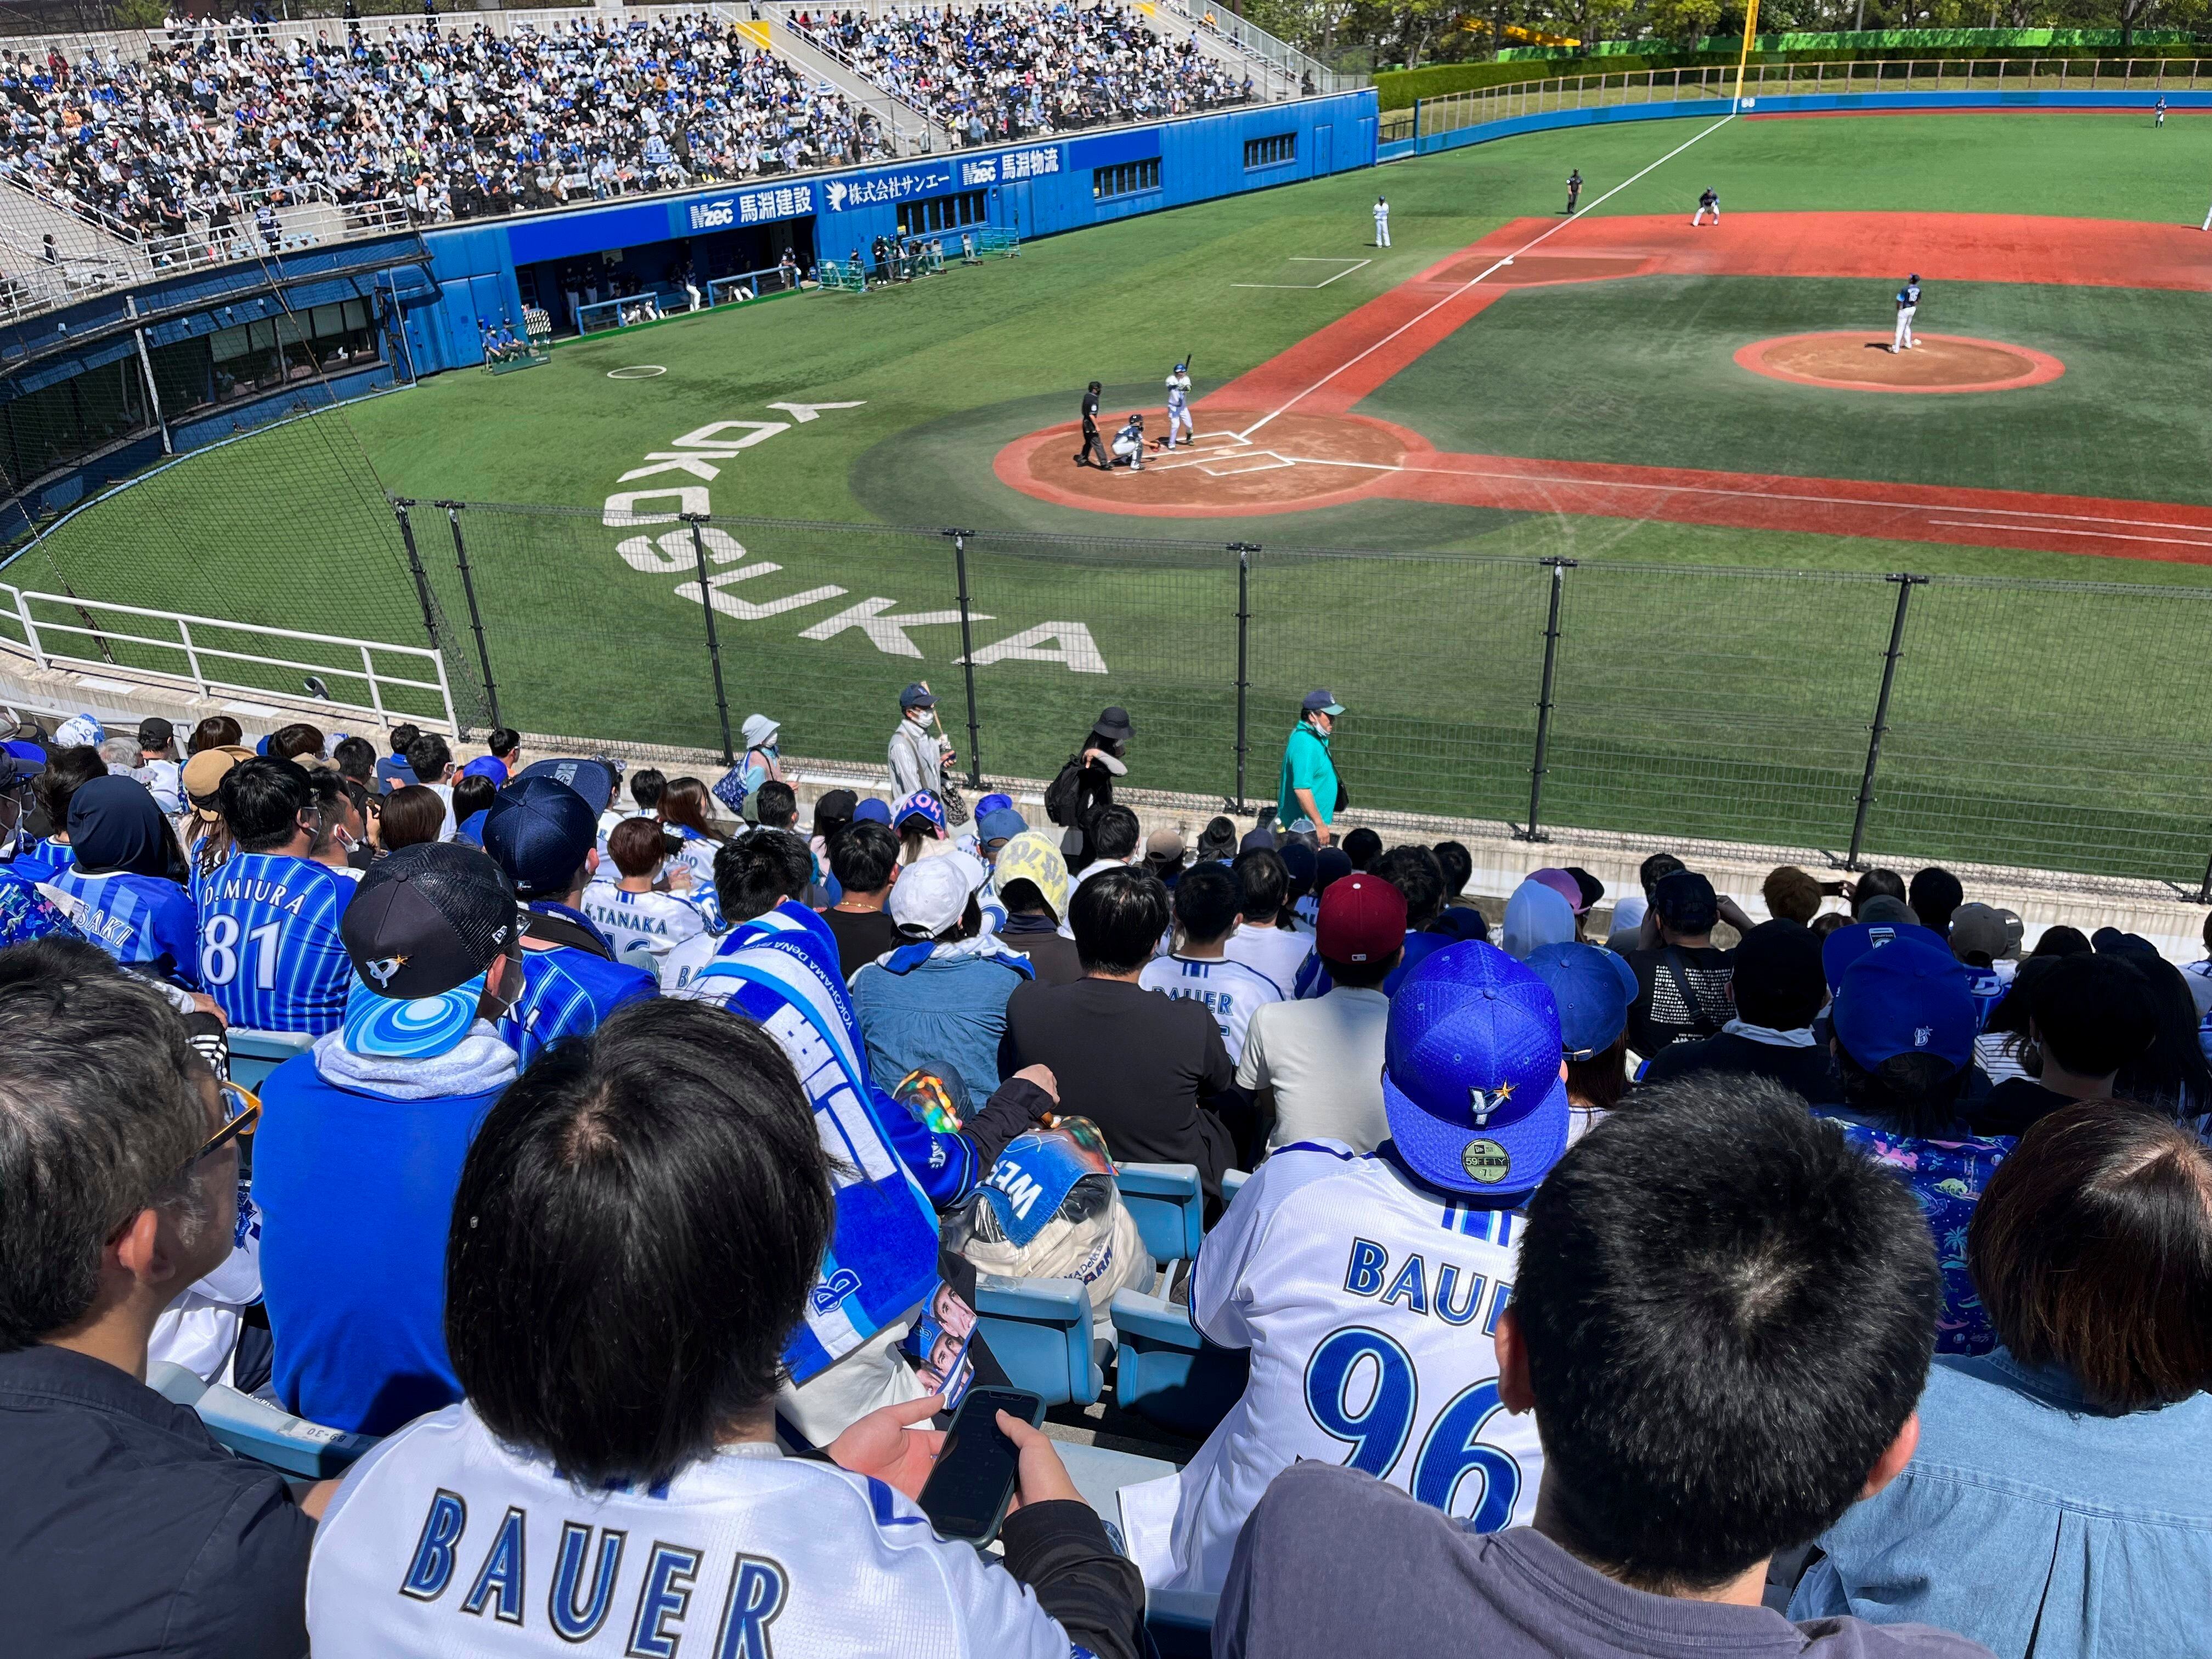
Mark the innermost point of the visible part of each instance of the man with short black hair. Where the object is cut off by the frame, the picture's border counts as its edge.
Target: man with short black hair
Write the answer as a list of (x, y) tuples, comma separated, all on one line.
[(1143, 1069), (1779, 988), (865, 859), (431, 758), (393, 772), (269, 950), (2088, 1016), (158, 766), (540, 832), (1198, 970), (355, 1163), (1934, 895), (775, 803), (501, 760), (1269, 937), (1721, 1318), (126, 1530), (1682, 984)]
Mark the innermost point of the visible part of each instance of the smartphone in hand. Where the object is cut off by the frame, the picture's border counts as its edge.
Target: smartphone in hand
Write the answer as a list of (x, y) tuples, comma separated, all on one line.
[(973, 1481)]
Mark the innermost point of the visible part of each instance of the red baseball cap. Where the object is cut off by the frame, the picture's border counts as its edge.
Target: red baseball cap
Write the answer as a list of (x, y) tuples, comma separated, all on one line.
[(1363, 918)]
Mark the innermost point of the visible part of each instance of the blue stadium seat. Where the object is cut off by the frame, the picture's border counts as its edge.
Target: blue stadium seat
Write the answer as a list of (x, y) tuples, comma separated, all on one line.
[(1168, 1205), (254, 1054), (1232, 1181), (1039, 1331), (1181, 1622), (253, 1428), (1165, 1369)]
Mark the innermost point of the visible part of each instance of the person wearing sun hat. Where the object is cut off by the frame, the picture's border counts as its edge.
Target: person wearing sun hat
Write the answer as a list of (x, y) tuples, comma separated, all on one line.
[(362, 1138), (1380, 1277), (1024, 901)]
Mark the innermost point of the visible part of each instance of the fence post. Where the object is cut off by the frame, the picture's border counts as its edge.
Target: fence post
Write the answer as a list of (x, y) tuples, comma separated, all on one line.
[(714, 644), (1243, 550), (399, 506), (475, 617), (1534, 832), (191, 655), (967, 659), (1905, 583)]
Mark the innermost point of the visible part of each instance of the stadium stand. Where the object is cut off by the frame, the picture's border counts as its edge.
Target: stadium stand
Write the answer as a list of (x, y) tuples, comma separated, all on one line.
[(1918, 1160), (1003, 72)]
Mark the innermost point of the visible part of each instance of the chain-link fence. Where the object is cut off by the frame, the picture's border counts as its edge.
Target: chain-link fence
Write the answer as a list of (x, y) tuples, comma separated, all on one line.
[(1968, 719)]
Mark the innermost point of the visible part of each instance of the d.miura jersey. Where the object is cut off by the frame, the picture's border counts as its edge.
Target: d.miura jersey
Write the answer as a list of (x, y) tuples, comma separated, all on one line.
[(270, 952)]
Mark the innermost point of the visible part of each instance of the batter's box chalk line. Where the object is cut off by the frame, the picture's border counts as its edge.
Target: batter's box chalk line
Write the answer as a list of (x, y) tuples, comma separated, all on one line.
[(1349, 266)]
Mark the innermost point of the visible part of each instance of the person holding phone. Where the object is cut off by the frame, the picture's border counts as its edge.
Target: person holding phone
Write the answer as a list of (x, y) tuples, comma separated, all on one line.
[(639, 1226)]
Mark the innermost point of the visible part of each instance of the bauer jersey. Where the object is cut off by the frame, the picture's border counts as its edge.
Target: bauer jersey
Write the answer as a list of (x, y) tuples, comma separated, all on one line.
[(643, 928), (270, 952), (444, 1541), (1367, 1301), (143, 921), (1227, 990)]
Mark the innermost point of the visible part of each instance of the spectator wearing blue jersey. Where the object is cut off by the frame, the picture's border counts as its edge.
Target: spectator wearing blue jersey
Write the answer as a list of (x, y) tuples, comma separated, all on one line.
[(541, 833), (363, 1138), (393, 772), (269, 949), (501, 760), (46, 841), (124, 887)]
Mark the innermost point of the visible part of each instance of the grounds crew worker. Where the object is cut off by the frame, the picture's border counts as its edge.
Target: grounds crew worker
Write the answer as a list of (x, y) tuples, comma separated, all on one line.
[(1307, 798), (1092, 443)]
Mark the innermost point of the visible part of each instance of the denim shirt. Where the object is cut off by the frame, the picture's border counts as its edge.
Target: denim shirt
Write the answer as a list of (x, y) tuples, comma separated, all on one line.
[(942, 1005), (2033, 1525)]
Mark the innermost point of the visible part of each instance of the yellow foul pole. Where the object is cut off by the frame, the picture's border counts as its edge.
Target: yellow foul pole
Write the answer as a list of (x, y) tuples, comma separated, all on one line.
[(1750, 28)]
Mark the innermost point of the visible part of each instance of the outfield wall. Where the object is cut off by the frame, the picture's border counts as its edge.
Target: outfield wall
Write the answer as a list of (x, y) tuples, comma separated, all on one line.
[(1031, 189), (1802, 104)]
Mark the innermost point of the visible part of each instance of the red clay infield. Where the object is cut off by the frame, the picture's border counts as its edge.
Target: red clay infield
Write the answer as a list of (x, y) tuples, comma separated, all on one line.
[(1303, 448), (1936, 362)]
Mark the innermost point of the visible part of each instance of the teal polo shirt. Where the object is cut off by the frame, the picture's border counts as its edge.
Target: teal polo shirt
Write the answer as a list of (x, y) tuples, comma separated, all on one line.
[(1306, 765)]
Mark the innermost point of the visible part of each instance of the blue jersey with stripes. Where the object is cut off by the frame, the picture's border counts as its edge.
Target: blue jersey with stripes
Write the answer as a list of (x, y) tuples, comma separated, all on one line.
[(569, 992), (143, 921), (270, 952)]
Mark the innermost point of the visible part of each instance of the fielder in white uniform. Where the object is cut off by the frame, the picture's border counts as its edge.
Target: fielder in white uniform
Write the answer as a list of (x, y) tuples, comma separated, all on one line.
[(1178, 408), (1908, 301), (1368, 1286), (1381, 223)]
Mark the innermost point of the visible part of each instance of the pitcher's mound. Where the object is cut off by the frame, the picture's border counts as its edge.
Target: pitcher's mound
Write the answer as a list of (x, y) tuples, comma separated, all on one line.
[(1864, 363), (1292, 463)]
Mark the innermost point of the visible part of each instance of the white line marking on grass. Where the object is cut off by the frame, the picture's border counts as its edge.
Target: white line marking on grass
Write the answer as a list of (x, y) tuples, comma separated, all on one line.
[(1472, 280), (1312, 260), (636, 372)]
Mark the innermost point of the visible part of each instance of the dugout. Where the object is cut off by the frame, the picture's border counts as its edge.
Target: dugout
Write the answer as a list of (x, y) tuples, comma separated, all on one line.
[(561, 284)]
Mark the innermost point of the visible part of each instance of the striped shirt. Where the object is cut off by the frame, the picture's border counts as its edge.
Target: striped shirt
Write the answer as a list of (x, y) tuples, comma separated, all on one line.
[(143, 921), (270, 953)]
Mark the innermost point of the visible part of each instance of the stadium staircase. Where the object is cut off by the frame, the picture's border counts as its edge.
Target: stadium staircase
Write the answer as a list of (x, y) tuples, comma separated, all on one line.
[(913, 133), (93, 254), (1279, 71)]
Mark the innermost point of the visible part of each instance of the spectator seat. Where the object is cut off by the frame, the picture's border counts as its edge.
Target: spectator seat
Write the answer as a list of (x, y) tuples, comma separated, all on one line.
[(1039, 1331), (1169, 1207), (254, 1054), (1165, 1371), (1232, 1181)]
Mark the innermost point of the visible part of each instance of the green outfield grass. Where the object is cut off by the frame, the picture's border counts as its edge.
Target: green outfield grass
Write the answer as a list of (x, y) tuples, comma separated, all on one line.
[(2050, 725)]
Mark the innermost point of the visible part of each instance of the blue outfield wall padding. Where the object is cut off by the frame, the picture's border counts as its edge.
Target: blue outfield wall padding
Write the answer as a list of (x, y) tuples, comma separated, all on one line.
[(1713, 108)]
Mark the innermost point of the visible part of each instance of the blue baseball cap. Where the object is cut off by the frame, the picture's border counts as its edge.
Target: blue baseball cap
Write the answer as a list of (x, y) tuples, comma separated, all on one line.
[(1593, 988), (991, 804), (1471, 1080), (1910, 996), (1847, 945), (874, 810), (1003, 823)]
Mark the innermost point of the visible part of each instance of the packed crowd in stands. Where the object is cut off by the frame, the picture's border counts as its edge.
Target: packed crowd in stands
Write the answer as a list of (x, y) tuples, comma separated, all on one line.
[(1016, 71), (1621, 1273), (455, 119)]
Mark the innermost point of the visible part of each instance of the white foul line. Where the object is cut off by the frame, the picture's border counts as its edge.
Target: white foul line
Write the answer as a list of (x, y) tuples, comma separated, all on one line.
[(1472, 280), (1312, 260)]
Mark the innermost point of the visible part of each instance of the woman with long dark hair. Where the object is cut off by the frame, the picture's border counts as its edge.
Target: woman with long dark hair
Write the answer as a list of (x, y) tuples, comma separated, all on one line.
[(685, 810)]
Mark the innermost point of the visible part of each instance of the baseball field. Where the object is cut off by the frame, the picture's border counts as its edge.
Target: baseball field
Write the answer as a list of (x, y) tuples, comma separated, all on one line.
[(1687, 448)]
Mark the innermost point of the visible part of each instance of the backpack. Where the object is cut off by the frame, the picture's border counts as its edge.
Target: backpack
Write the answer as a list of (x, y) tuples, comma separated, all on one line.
[(1064, 791)]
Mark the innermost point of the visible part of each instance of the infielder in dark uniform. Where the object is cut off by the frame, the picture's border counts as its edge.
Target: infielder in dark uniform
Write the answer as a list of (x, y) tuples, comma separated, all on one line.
[(1092, 443), (1574, 190)]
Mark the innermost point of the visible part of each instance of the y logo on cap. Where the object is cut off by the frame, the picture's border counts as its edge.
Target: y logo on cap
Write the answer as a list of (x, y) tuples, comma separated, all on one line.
[(1484, 1102), (382, 969)]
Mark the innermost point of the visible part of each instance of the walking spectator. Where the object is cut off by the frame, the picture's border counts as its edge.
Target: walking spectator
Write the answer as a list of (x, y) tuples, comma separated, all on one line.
[(684, 810), (1683, 985), (124, 886), (1145, 1069), (1269, 937), (270, 951), (1084, 785), (1593, 990), (1028, 881), (539, 832), (937, 999), (674, 1154), (1721, 1320), (2057, 1505), (1198, 970), (1308, 797), (865, 858), (646, 911), (917, 756), (1328, 1264), (126, 1528), (1903, 1045), (2089, 1016), (358, 1158), (411, 816), (1779, 988), (393, 772), (1315, 1067), (762, 761)]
